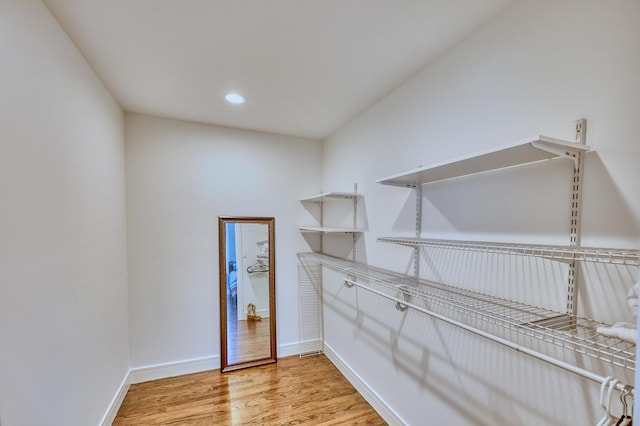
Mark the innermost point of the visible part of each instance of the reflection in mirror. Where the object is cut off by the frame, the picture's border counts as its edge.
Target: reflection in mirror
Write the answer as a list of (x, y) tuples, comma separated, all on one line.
[(247, 292)]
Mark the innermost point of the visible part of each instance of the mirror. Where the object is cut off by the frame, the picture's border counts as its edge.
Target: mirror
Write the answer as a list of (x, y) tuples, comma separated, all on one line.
[(247, 292)]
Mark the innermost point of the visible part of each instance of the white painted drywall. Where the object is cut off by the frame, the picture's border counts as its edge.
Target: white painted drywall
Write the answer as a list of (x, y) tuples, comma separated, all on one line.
[(534, 69), (64, 347), (180, 177)]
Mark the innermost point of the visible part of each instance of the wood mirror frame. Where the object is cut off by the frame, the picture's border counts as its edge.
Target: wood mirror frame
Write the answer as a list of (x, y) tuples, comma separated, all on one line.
[(230, 349)]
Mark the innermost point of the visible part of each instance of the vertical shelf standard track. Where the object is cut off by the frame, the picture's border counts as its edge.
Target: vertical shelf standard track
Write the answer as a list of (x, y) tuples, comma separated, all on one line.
[(576, 217), (416, 251), (354, 237)]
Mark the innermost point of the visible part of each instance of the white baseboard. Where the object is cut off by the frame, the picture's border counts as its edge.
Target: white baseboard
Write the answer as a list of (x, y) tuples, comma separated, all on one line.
[(116, 402), (311, 346), (288, 349), (172, 369), (370, 395), (196, 365)]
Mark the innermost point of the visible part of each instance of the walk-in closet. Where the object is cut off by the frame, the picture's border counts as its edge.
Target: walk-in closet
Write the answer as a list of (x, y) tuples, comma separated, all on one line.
[(415, 212)]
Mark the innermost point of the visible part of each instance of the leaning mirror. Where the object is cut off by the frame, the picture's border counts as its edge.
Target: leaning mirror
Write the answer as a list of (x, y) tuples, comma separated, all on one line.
[(247, 292)]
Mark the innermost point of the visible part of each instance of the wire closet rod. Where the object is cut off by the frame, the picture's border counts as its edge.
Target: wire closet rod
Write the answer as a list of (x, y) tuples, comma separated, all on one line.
[(556, 362)]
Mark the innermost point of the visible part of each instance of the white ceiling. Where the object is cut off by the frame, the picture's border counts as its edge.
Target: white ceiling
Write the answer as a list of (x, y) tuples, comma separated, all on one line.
[(306, 67)]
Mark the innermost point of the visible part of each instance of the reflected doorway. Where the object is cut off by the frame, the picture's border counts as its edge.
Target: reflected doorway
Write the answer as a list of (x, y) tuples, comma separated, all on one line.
[(247, 292)]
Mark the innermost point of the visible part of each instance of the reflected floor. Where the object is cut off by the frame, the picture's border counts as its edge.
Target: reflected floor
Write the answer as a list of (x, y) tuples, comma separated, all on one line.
[(247, 340)]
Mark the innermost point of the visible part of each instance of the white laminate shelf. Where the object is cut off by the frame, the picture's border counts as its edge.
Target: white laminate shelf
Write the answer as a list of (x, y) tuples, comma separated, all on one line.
[(491, 317), (328, 196), (522, 152), (329, 230), (560, 253)]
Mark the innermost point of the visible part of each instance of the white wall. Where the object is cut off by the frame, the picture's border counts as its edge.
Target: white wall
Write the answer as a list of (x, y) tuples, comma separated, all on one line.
[(63, 280), (534, 69), (180, 177)]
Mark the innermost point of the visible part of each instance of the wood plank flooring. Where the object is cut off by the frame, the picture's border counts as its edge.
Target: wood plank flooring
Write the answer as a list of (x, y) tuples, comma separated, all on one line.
[(293, 391)]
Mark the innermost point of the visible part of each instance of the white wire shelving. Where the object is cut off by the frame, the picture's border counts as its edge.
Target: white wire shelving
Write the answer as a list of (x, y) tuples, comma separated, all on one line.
[(491, 317), (559, 253), (310, 277), (535, 149), (562, 339)]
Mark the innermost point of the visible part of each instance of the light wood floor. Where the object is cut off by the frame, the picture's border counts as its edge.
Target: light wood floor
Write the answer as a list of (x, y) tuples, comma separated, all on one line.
[(293, 391)]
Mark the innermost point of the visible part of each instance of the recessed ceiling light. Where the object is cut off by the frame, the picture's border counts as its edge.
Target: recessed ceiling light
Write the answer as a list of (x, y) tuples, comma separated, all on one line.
[(234, 98)]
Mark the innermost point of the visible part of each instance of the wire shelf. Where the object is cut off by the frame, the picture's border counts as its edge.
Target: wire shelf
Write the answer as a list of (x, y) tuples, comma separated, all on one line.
[(485, 312), (559, 253)]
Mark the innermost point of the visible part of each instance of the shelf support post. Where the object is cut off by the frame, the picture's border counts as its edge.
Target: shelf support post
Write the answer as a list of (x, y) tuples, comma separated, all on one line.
[(321, 205), (576, 217), (355, 222), (416, 249)]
